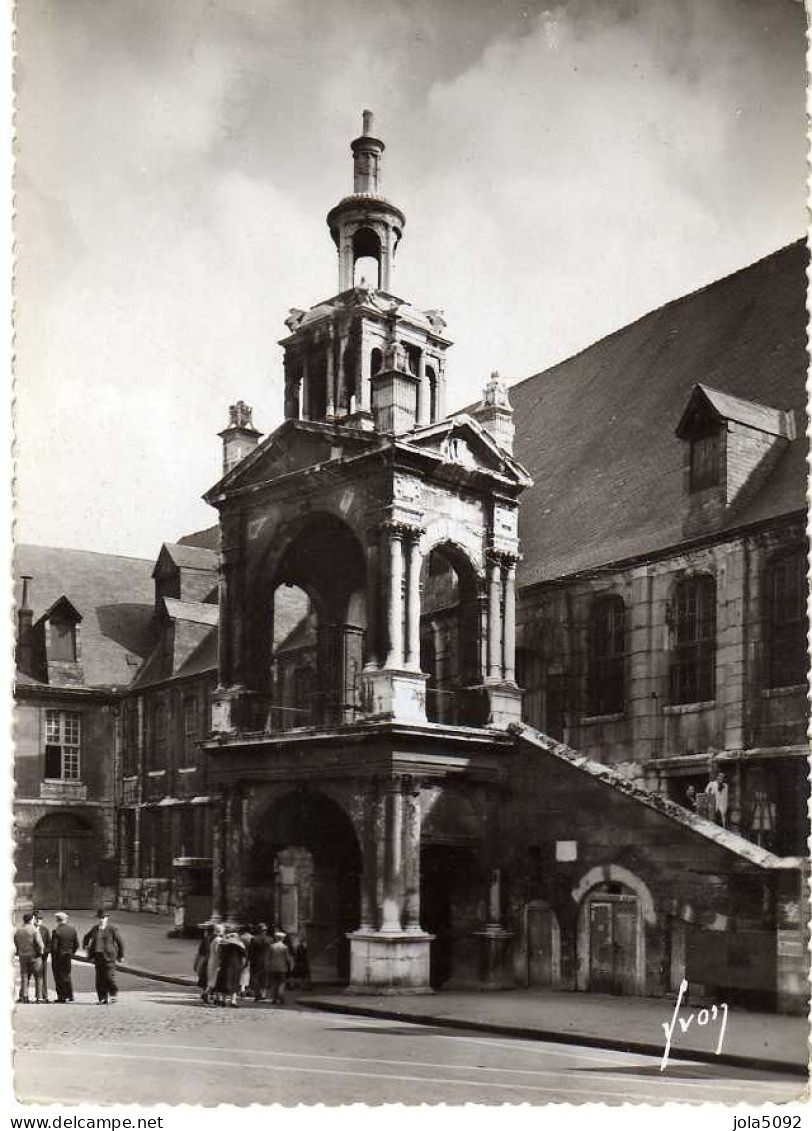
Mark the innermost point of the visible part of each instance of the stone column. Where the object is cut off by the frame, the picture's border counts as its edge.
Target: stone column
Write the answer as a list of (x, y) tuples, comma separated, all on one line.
[(494, 619), (304, 400), (372, 656), (379, 834), (393, 858), (411, 856), (368, 861), (395, 598), (495, 898), (217, 863), (510, 621), (329, 376), (413, 560), (232, 847), (422, 391), (224, 651)]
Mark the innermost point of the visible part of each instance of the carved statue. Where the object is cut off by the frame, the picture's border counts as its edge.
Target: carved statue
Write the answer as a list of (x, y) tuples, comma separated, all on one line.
[(294, 318), (495, 392), (435, 317)]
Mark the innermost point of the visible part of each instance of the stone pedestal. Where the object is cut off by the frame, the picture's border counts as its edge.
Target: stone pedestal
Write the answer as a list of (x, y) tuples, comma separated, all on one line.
[(485, 963), (395, 694), (503, 703), (389, 962)]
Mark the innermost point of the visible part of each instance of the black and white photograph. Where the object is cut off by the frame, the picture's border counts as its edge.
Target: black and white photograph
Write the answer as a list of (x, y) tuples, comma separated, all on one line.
[(410, 559)]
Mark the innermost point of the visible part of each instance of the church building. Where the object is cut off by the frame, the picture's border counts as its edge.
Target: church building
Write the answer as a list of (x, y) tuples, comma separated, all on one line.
[(430, 693)]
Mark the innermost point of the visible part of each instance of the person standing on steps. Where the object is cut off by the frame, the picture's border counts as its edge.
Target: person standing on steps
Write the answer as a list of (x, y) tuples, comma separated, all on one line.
[(105, 946), (64, 944)]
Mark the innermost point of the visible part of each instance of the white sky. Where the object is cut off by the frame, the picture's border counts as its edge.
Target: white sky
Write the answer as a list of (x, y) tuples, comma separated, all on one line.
[(562, 170)]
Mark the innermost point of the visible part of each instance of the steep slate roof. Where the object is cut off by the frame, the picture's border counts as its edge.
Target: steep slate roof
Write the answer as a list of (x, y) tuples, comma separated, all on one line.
[(187, 556), (114, 596), (209, 538), (597, 432)]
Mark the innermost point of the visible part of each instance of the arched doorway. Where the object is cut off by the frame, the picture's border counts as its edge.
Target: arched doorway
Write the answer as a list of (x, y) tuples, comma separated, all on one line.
[(611, 941), (305, 877), (66, 854), (449, 634)]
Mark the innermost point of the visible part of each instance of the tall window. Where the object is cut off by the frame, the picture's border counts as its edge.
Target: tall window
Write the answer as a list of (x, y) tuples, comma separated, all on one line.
[(786, 625), (191, 728), (693, 651), (129, 739), (705, 462), (606, 692), (62, 744), (159, 737)]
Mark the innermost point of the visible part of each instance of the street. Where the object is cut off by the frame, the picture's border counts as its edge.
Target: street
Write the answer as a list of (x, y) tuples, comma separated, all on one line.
[(160, 1044)]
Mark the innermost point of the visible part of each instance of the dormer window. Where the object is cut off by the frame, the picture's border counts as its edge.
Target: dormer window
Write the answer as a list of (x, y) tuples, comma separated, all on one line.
[(705, 461), (62, 645)]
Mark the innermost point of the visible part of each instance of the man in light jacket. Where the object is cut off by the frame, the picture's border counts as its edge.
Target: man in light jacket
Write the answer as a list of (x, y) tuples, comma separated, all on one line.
[(28, 945)]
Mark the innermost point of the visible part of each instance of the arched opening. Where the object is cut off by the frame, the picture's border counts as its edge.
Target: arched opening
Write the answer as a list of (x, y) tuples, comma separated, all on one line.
[(366, 257), (431, 378), (451, 903), (611, 940), (350, 370), (307, 652), (66, 855), (293, 677), (305, 878), (449, 634)]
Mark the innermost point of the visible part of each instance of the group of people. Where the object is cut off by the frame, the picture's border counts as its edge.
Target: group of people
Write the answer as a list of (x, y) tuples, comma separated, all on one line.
[(34, 943), (255, 962), (714, 801)]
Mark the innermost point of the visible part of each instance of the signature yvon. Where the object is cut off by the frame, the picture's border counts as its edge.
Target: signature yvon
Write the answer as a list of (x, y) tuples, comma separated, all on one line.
[(716, 1014)]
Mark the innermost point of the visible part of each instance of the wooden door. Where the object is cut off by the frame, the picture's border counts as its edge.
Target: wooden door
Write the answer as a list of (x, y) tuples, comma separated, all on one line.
[(539, 946), (64, 866), (613, 926)]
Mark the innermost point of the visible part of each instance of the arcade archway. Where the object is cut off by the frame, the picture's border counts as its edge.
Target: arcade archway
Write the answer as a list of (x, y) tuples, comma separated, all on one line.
[(450, 633), (305, 877)]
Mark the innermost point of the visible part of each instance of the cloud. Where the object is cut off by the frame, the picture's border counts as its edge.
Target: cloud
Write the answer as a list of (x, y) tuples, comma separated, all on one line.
[(563, 170)]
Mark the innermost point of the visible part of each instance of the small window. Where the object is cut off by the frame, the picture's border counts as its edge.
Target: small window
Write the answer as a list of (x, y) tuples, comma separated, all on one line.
[(606, 693), (129, 739), (786, 623), (693, 634), (705, 461), (62, 745), (62, 644)]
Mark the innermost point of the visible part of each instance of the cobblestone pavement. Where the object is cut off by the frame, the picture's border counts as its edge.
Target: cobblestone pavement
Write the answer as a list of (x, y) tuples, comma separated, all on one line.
[(160, 1044), (144, 1009)]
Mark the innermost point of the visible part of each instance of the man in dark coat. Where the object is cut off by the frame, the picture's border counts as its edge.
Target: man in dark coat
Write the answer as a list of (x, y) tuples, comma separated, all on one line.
[(64, 944), (28, 945), (259, 960), (104, 945), (45, 935)]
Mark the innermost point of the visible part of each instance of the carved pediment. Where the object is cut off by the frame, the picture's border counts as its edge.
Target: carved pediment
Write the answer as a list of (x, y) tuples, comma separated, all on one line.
[(461, 442)]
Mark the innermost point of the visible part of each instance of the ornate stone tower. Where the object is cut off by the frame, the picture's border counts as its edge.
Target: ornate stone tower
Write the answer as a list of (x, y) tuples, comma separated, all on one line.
[(365, 356), (391, 697)]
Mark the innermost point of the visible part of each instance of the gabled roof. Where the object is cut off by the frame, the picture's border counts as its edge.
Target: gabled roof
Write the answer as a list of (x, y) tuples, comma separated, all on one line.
[(596, 432), (113, 595), (185, 556), (61, 606), (719, 406), (436, 438)]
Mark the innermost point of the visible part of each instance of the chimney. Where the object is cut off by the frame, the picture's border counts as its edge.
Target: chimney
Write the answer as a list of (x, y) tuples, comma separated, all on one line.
[(25, 631), (240, 437), (495, 412)]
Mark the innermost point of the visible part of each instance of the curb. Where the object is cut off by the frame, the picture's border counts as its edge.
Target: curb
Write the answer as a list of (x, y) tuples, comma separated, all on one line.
[(139, 972), (640, 1047)]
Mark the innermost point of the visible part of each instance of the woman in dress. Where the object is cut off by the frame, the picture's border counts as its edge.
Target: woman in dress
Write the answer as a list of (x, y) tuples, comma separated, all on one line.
[(232, 961)]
